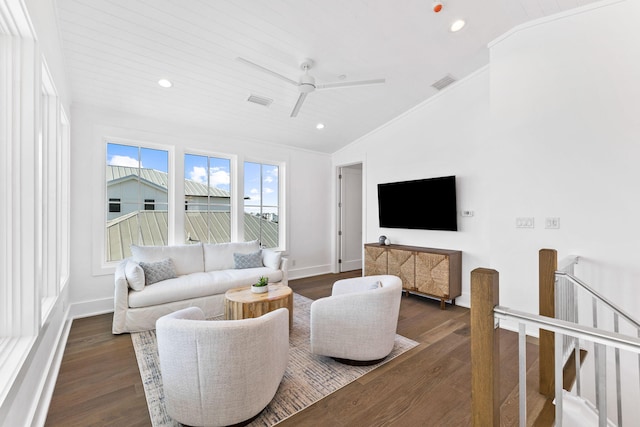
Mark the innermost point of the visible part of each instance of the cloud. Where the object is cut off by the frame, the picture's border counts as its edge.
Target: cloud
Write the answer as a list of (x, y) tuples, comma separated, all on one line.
[(198, 174), (217, 177), (118, 160)]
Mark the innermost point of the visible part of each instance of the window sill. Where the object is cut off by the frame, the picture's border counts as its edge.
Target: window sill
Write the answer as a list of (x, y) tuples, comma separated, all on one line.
[(13, 353)]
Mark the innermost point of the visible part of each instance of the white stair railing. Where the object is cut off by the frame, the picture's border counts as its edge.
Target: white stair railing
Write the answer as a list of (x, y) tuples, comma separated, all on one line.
[(605, 315), (600, 338)]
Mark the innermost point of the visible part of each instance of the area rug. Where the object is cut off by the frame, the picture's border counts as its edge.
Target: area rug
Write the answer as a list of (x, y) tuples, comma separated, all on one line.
[(308, 377)]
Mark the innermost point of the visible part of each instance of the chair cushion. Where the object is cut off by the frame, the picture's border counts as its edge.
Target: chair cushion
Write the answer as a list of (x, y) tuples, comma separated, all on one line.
[(199, 285), (219, 256)]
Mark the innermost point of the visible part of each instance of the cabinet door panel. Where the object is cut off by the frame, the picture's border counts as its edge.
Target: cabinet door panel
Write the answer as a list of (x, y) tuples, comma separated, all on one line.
[(375, 260), (403, 264), (432, 274)]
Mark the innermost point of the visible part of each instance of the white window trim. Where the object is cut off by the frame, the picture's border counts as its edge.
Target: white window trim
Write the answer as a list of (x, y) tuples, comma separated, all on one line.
[(235, 195), (22, 76), (282, 197), (100, 265)]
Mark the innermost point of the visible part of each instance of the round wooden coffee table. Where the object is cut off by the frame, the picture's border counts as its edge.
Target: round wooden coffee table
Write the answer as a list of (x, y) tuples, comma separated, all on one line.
[(241, 303)]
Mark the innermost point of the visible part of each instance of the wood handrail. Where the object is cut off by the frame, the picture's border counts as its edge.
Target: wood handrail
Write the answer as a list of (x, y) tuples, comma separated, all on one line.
[(485, 349), (547, 266)]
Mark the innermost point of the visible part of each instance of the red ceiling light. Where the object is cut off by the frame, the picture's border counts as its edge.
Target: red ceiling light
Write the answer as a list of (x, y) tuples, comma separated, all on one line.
[(437, 6)]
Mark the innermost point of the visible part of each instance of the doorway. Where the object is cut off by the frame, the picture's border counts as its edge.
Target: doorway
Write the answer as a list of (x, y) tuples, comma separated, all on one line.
[(350, 218)]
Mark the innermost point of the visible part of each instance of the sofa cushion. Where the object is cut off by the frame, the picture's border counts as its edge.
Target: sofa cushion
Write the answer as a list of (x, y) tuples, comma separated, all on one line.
[(199, 285), (251, 260), (219, 256), (186, 258), (271, 258), (158, 271), (135, 275)]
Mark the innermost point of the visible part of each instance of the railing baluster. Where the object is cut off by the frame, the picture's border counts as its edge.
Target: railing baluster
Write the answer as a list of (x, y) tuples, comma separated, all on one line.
[(601, 383), (616, 329), (522, 372), (558, 362), (578, 364)]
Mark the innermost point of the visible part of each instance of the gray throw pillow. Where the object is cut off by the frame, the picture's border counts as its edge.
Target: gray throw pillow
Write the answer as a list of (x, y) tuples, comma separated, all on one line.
[(158, 271), (250, 260)]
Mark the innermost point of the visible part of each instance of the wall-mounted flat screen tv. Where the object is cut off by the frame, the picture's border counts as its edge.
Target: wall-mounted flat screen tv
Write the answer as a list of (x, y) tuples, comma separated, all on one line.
[(426, 204)]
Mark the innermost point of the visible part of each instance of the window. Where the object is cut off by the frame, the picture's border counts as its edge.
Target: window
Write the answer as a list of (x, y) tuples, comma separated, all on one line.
[(137, 198), (114, 205), (207, 194), (262, 203)]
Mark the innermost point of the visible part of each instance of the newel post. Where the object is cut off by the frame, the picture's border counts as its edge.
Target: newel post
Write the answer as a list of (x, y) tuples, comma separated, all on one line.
[(485, 349), (547, 266)]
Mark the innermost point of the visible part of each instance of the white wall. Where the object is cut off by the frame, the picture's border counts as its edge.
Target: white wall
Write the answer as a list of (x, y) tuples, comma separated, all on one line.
[(443, 136), (550, 129), (308, 195)]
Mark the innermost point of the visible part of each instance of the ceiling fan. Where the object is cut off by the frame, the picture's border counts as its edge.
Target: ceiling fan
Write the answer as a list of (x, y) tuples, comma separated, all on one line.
[(307, 83)]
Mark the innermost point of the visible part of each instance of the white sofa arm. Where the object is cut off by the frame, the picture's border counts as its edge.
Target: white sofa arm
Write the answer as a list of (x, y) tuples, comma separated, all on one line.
[(120, 299), (284, 267)]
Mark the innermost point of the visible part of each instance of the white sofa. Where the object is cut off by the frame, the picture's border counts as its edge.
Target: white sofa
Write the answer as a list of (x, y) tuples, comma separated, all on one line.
[(357, 323), (221, 373), (203, 273)]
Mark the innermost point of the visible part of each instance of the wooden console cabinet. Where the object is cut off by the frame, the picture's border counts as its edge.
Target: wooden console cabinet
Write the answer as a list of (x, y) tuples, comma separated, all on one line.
[(432, 272)]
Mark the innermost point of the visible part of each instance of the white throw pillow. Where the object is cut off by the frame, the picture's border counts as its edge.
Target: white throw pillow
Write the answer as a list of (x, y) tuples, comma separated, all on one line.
[(271, 259), (135, 275)]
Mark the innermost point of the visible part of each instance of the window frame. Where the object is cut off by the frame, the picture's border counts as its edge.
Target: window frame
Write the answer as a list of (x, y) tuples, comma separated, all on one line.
[(283, 223), (100, 265)]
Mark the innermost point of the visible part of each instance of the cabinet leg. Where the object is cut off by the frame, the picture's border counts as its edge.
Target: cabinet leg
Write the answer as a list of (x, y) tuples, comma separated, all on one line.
[(442, 304)]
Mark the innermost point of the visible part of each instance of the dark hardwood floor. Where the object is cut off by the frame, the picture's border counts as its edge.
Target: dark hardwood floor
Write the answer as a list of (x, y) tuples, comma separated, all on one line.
[(99, 383)]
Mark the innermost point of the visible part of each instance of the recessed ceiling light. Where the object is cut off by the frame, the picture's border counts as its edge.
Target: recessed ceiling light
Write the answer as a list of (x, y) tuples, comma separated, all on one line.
[(165, 83), (457, 25), (320, 126)]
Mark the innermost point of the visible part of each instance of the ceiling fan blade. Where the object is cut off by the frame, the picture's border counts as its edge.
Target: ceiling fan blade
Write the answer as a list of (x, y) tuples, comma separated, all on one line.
[(296, 108), (337, 85), (266, 70)]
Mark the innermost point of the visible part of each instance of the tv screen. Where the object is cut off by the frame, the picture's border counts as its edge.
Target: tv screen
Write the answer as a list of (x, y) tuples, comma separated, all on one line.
[(427, 204)]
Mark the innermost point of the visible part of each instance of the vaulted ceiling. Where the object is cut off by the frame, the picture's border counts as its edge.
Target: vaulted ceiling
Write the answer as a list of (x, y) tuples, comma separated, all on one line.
[(117, 50)]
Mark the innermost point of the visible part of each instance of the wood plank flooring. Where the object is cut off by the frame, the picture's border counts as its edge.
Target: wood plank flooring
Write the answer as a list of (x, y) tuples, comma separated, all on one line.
[(99, 383)]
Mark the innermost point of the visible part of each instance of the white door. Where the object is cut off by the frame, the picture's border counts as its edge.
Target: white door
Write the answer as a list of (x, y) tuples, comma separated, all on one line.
[(350, 223)]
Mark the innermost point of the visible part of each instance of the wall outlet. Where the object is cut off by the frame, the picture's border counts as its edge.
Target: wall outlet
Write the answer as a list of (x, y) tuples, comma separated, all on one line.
[(467, 213), (552, 222), (525, 222), (293, 263)]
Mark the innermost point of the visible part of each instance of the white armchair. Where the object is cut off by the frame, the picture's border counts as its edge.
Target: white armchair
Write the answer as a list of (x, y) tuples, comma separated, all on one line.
[(223, 372), (358, 322)]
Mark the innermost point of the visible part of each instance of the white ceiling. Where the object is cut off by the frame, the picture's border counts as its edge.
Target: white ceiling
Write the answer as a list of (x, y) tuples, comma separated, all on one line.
[(116, 50)]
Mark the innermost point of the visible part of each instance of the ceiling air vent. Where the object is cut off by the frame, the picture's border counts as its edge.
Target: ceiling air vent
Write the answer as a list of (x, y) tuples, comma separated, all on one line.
[(444, 82), (260, 100)]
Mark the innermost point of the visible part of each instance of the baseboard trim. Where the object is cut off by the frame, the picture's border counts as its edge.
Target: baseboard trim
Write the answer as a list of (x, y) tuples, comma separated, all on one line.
[(90, 308), (300, 273), (42, 408)]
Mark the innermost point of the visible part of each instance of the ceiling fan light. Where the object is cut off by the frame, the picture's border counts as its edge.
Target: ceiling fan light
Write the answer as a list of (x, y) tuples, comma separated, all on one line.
[(457, 25), (307, 83)]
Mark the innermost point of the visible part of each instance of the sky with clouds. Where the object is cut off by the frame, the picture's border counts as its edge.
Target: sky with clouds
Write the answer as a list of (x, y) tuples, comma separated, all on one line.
[(195, 167)]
